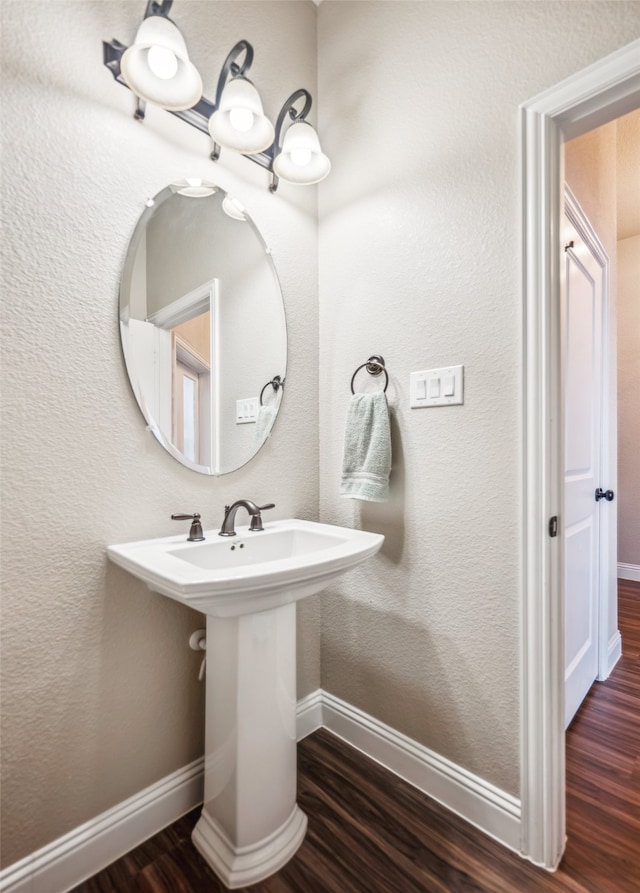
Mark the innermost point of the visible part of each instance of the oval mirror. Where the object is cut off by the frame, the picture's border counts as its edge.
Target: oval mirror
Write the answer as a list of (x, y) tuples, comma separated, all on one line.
[(203, 327)]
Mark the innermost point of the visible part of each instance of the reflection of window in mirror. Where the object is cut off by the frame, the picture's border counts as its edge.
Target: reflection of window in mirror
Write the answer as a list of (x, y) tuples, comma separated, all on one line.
[(191, 373)]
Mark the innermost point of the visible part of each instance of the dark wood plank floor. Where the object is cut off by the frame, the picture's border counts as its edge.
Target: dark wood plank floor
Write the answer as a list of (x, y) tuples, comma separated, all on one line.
[(370, 832)]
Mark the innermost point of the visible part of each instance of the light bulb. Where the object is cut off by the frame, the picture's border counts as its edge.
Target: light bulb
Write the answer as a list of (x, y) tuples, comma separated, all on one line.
[(162, 62), (301, 157), (241, 119)]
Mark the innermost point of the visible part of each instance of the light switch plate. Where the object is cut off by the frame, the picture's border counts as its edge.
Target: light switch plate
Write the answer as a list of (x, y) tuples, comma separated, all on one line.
[(246, 410), (447, 383)]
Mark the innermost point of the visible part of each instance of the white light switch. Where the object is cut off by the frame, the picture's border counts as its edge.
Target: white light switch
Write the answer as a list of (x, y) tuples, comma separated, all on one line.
[(448, 386), (437, 387), (246, 410)]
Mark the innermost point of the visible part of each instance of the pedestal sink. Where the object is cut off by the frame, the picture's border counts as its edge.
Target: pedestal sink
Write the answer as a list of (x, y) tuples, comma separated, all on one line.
[(248, 585)]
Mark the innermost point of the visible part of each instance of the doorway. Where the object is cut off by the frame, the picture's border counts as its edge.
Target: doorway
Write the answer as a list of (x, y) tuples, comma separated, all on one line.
[(585, 315), (602, 214), (600, 93)]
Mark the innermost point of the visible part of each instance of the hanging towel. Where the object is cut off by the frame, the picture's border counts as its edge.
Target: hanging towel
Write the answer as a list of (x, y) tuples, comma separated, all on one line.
[(366, 462), (264, 422)]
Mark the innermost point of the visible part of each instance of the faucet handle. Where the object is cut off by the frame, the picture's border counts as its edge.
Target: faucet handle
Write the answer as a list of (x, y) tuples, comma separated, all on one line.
[(195, 534), (256, 520)]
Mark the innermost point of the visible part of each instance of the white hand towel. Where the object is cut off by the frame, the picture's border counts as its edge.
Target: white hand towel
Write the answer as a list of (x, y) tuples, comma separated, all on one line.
[(264, 423), (366, 463)]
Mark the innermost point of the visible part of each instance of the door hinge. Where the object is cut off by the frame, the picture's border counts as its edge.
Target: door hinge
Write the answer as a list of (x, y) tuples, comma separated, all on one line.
[(553, 526)]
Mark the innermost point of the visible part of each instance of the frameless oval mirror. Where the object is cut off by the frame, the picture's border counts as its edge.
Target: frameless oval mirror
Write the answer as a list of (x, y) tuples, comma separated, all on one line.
[(203, 327)]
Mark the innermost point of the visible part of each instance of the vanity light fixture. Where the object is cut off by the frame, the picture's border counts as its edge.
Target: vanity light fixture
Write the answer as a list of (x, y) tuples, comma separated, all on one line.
[(239, 121), (301, 159), (156, 66), (157, 69)]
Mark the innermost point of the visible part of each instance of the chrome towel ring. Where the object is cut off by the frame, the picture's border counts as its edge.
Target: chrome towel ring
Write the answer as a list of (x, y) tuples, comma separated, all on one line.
[(374, 366)]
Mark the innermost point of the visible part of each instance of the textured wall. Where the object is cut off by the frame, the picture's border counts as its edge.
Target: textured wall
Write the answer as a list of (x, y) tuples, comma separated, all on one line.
[(420, 261), (99, 688), (629, 399), (628, 174), (628, 167), (590, 171)]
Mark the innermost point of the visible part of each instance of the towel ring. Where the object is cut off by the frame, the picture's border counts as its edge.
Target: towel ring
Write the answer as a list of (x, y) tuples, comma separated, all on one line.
[(276, 383), (374, 365)]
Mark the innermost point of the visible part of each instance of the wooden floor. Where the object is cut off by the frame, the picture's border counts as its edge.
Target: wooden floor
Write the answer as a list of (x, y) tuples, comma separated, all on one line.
[(370, 832)]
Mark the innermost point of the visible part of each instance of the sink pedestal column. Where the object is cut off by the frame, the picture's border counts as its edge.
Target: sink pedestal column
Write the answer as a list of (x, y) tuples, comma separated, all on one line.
[(250, 824)]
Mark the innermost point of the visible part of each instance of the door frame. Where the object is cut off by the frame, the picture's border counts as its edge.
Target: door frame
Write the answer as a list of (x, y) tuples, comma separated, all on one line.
[(592, 97)]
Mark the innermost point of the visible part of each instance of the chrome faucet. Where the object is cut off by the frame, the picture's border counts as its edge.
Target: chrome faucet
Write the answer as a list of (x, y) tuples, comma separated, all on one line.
[(228, 525)]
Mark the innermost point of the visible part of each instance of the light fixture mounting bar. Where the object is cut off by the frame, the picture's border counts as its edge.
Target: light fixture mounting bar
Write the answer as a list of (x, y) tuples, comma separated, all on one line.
[(198, 116), (158, 8)]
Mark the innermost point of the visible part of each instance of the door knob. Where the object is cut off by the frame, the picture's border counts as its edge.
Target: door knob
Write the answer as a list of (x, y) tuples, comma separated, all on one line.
[(604, 494)]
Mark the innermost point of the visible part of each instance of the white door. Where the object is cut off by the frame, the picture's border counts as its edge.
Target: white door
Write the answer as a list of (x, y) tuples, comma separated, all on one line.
[(583, 305)]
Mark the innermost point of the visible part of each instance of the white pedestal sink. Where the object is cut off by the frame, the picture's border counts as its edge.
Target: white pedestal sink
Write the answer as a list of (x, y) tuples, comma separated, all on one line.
[(247, 586)]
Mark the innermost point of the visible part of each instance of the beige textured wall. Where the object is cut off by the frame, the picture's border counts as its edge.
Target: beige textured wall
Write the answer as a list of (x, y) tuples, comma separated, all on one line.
[(590, 171), (628, 174), (420, 261), (628, 166), (629, 399), (99, 688)]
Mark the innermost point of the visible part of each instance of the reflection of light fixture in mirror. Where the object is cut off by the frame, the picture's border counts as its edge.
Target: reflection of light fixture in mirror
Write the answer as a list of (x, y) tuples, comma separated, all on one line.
[(194, 187), (157, 68), (233, 208)]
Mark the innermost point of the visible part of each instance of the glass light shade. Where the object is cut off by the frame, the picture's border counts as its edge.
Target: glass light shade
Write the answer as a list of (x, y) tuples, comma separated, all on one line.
[(233, 208), (301, 160), (156, 66), (194, 187), (239, 122)]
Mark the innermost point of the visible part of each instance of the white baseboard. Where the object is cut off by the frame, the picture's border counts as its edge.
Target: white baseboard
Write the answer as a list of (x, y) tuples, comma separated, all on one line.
[(629, 572), (491, 810), (309, 714), (614, 651), (65, 863), (69, 860)]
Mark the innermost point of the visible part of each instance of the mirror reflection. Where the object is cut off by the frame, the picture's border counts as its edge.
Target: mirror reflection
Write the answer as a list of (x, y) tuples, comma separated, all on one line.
[(203, 327)]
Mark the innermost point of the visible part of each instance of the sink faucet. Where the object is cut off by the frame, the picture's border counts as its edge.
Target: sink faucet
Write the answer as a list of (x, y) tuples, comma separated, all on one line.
[(228, 525)]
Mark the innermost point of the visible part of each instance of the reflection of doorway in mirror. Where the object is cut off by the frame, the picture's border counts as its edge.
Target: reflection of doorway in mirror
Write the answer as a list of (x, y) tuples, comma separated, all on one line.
[(191, 391), (187, 374)]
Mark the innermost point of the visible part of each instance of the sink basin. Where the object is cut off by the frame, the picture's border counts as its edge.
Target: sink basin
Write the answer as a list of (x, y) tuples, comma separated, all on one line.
[(252, 571), (248, 586)]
